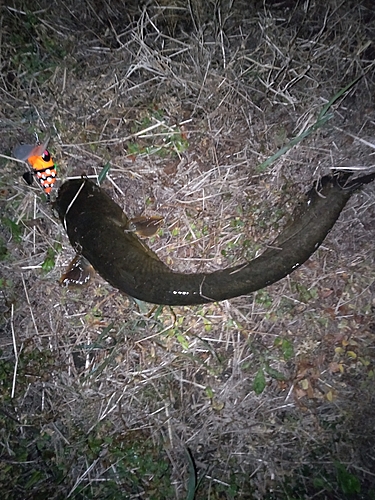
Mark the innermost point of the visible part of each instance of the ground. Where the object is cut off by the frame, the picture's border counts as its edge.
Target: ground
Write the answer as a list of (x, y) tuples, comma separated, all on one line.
[(267, 396)]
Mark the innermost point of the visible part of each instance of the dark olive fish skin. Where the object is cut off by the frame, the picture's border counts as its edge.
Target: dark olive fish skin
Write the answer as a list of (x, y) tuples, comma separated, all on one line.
[(98, 229)]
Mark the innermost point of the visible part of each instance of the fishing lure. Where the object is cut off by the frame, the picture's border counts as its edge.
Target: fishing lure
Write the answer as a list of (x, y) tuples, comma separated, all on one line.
[(41, 163), (98, 229)]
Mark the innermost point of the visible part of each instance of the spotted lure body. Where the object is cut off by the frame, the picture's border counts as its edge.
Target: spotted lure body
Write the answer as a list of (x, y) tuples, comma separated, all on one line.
[(41, 164), (99, 230)]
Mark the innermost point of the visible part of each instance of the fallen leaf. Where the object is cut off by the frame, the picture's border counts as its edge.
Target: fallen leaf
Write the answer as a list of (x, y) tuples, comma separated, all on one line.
[(304, 384), (299, 393), (351, 354), (329, 396), (336, 367)]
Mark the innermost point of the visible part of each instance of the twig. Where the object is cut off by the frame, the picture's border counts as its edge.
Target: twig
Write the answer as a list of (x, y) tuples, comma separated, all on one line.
[(15, 351), (29, 304)]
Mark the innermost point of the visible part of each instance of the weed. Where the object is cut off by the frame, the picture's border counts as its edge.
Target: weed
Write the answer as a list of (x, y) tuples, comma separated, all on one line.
[(173, 141), (14, 228)]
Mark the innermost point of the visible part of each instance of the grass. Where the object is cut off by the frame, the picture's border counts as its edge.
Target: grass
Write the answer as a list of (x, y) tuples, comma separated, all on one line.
[(197, 113), (42, 462)]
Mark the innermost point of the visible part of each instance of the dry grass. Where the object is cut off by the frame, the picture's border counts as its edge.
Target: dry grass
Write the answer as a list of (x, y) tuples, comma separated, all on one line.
[(101, 396)]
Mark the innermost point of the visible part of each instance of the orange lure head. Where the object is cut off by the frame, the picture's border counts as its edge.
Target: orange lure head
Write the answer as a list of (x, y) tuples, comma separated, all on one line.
[(41, 163)]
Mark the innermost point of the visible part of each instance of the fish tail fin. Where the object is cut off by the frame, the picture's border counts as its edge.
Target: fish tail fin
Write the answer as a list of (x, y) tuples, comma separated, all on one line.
[(346, 181)]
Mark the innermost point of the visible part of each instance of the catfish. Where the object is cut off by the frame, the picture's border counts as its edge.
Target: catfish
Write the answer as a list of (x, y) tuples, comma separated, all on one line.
[(98, 229)]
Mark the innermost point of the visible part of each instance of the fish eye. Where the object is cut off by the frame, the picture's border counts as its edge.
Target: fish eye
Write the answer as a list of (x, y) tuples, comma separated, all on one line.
[(46, 156)]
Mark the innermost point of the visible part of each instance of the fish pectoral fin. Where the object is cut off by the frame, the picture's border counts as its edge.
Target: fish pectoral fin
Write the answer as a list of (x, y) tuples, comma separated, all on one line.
[(78, 273), (145, 226), (142, 225)]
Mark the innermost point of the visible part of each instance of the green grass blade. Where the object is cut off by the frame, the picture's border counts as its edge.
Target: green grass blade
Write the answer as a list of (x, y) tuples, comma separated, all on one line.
[(192, 481), (337, 96), (319, 123), (103, 173), (323, 117)]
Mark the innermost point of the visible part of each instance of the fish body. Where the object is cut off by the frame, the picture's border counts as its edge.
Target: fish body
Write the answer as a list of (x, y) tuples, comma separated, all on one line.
[(98, 229), (41, 163)]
